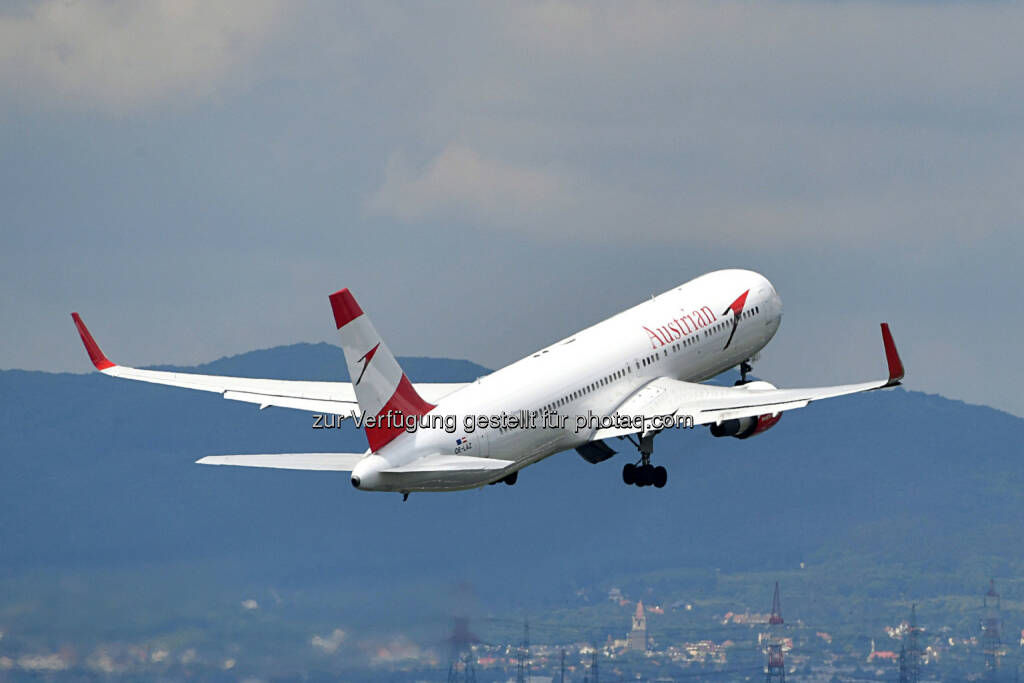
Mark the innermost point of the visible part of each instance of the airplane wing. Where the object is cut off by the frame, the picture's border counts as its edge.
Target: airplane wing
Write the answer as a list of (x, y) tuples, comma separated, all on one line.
[(708, 404), (325, 462), (320, 397)]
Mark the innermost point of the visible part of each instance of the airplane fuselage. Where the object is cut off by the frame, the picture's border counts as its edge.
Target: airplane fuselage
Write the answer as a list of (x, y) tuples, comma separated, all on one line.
[(691, 332)]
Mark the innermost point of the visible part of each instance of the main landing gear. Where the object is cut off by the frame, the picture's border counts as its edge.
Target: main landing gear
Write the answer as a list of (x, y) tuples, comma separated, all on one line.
[(644, 473)]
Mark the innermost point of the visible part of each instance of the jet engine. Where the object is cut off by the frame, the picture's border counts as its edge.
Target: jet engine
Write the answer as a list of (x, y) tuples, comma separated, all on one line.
[(746, 427)]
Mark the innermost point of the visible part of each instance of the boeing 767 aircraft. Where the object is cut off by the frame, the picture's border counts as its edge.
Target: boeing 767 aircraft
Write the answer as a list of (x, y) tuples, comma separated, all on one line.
[(630, 376)]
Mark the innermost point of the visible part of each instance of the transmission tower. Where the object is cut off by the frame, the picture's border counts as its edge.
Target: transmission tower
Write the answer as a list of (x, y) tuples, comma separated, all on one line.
[(775, 666), (460, 667), (910, 652), (462, 670), (523, 666), (561, 668), (594, 674), (990, 631), (776, 618)]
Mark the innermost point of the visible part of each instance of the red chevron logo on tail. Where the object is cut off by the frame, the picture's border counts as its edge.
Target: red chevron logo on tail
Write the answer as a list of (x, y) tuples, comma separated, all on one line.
[(365, 360)]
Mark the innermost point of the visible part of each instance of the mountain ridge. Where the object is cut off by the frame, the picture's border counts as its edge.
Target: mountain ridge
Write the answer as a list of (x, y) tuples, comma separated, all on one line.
[(100, 473)]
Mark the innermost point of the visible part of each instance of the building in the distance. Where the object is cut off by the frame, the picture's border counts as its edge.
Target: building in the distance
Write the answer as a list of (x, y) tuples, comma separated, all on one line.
[(638, 635)]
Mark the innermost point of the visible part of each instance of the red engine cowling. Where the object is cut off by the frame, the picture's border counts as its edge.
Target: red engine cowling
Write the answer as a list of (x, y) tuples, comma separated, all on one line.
[(746, 427)]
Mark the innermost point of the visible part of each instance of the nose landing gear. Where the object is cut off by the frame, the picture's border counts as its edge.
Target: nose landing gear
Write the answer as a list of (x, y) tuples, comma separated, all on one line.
[(643, 473), (745, 367)]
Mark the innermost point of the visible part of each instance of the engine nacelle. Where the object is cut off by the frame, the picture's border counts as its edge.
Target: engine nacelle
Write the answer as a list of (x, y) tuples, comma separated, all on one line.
[(746, 427)]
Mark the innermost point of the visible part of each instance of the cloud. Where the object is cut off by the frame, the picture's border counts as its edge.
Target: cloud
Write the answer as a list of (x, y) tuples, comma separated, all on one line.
[(713, 124), (856, 206), (329, 644), (460, 181), (118, 56)]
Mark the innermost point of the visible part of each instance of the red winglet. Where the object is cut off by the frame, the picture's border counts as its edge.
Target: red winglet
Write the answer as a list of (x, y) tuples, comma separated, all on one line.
[(345, 307), (92, 348), (892, 356)]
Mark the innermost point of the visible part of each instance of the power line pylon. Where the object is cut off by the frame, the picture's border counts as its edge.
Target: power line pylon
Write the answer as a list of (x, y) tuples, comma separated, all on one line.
[(990, 640), (776, 618), (460, 667), (462, 670), (523, 666), (775, 665), (910, 652)]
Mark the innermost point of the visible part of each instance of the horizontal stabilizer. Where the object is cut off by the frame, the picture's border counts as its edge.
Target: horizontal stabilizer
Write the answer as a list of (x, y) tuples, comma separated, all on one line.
[(450, 463), (328, 462)]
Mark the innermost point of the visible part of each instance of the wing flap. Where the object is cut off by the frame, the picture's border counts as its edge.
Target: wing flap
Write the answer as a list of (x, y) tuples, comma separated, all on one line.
[(313, 405), (324, 462)]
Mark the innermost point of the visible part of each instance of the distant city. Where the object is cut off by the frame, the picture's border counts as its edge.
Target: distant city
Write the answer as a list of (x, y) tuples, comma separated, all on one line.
[(747, 645), (908, 652)]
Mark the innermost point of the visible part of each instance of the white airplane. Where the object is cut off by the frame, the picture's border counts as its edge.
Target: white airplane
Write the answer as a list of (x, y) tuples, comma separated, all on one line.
[(630, 376)]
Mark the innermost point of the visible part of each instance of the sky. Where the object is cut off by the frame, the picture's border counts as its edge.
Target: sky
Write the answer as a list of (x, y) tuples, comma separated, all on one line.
[(195, 178)]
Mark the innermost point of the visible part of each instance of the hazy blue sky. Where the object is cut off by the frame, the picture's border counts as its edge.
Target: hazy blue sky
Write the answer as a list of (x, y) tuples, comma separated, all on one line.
[(196, 178)]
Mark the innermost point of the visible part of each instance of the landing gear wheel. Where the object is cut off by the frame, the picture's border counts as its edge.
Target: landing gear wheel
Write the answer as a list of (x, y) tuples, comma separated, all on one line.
[(512, 478), (629, 474), (644, 473), (660, 477)]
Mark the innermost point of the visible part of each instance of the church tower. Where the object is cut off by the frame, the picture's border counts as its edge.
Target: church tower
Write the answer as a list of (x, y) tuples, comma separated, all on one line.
[(638, 636)]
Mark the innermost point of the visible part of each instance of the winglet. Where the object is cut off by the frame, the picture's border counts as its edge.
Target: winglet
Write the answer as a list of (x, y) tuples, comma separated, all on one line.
[(892, 357), (91, 347)]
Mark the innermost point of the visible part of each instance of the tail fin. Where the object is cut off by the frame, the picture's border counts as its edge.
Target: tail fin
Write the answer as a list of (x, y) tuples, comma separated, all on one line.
[(379, 382)]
